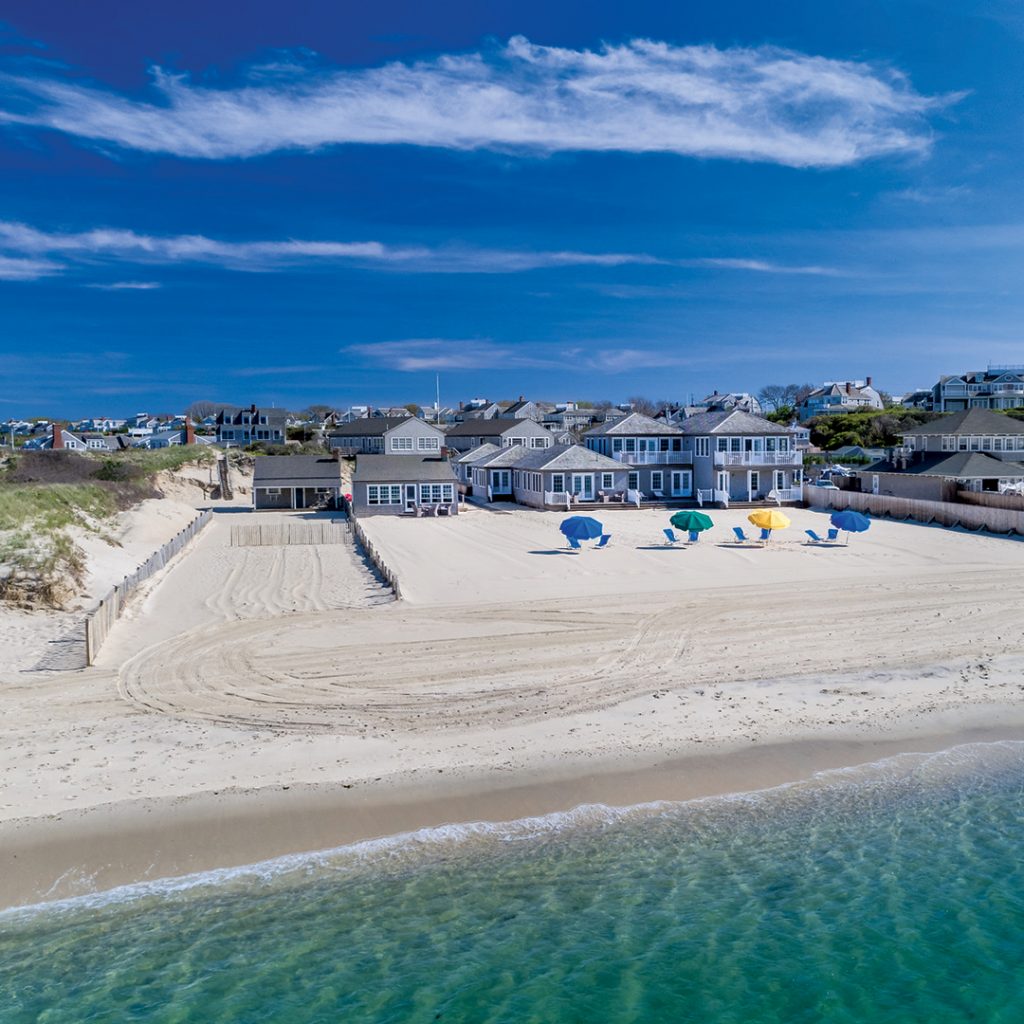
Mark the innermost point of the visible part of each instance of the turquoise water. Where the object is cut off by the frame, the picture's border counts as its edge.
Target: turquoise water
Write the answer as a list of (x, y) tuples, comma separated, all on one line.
[(893, 892)]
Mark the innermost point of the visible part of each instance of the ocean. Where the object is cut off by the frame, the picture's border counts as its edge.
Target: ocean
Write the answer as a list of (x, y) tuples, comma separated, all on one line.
[(892, 892)]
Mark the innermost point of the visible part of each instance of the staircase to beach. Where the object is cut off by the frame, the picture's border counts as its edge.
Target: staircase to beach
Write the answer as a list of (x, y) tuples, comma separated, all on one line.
[(225, 478)]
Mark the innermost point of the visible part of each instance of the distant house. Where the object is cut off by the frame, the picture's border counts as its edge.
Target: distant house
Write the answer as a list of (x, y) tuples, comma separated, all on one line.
[(403, 485), (718, 402), (839, 397), (463, 464), (463, 437), (998, 387), (523, 410), (379, 435), (478, 409), (974, 450), (652, 451), (296, 481), (243, 427)]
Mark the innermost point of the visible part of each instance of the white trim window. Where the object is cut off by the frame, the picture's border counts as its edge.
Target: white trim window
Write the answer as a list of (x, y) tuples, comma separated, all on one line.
[(428, 444), (401, 444), (633, 481), (702, 447), (384, 494), (657, 480), (558, 482), (607, 481), (274, 492), (538, 442), (435, 494)]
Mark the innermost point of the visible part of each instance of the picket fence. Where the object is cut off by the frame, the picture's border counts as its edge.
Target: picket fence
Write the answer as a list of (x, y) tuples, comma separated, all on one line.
[(282, 534), (99, 622), (946, 513)]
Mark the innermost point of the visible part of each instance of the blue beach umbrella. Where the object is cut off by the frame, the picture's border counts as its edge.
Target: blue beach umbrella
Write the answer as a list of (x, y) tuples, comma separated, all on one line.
[(850, 520), (581, 528)]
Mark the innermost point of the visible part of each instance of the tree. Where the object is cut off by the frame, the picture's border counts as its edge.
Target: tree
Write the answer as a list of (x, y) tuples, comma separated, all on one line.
[(642, 405), (198, 411), (413, 409), (775, 396)]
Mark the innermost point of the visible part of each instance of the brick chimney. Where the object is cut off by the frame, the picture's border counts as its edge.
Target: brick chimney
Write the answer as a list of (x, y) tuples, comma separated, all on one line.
[(867, 382), (190, 434), (57, 435)]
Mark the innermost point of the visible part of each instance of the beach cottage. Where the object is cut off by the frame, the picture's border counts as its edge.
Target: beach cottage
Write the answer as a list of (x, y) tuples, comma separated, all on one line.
[(404, 485), (296, 481), (503, 433)]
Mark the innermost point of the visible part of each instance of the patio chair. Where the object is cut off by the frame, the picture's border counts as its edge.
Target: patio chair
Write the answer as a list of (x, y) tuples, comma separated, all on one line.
[(741, 537), (833, 535), (766, 535), (574, 544), (670, 536), (815, 539), (660, 495), (603, 542), (434, 510), (694, 536)]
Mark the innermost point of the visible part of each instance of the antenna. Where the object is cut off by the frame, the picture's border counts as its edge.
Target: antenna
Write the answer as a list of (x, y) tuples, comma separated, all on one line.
[(437, 399)]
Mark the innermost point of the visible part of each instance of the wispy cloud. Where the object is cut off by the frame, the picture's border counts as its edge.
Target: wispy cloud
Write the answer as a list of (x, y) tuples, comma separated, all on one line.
[(126, 286), (30, 253), (931, 196), (766, 266), (754, 103)]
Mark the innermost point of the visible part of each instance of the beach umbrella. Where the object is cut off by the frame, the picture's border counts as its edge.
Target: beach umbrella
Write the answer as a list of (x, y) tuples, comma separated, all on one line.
[(850, 520), (769, 519), (691, 521), (581, 528)]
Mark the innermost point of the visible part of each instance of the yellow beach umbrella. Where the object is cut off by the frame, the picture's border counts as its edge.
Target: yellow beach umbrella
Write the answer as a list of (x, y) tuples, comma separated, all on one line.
[(769, 519)]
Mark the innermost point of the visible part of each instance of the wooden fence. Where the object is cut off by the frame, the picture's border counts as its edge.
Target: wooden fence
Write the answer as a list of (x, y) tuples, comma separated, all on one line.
[(99, 622), (359, 536), (281, 534), (946, 513), (992, 499)]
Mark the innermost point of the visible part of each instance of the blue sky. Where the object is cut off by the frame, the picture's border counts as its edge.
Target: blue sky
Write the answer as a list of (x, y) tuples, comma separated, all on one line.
[(332, 202)]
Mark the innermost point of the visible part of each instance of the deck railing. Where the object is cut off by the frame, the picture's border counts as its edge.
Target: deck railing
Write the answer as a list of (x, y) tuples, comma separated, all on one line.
[(712, 494), (759, 458), (654, 458)]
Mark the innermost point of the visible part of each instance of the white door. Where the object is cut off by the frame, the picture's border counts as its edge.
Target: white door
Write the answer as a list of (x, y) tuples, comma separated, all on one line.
[(780, 480), (501, 481), (723, 481), (682, 483), (753, 484)]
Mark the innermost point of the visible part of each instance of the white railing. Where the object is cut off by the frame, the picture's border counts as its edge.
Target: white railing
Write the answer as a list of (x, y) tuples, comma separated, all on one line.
[(654, 458), (713, 494), (635, 497), (781, 494), (759, 458), (558, 498)]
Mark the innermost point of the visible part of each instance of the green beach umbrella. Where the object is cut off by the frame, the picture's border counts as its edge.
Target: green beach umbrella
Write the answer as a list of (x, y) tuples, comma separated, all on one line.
[(691, 521)]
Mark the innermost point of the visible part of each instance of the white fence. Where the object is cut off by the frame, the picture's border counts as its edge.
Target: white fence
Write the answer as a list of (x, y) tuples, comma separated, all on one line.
[(282, 534), (98, 623), (946, 513), (386, 572)]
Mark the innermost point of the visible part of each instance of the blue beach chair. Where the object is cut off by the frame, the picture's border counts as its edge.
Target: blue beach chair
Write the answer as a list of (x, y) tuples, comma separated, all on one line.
[(575, 544), (741, 537), (833, 535), (815, 539), (603, 542), (670, 535), (694, 536), (766, 535)]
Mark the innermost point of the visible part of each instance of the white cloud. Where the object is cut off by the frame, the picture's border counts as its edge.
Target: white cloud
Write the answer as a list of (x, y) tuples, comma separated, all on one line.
[(421, 354), (126, 286), (118, 245), (756, 103), (13, 268)]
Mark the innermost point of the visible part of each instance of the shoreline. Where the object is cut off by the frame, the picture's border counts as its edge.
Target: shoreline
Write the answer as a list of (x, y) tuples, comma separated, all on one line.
[(87, 852)]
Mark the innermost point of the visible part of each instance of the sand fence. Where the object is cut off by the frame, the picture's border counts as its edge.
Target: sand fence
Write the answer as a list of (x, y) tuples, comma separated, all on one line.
[(386, 572), (946, 513), (286, 534), (99, 622)]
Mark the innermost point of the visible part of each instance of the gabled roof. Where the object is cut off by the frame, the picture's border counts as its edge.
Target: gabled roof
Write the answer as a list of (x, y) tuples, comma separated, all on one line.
[(635, 424), (296, 471), (732, 421), (970, 421), (482, 451), (560, 458), (485, 428), (371, 426), (402, 469), (962, 465)]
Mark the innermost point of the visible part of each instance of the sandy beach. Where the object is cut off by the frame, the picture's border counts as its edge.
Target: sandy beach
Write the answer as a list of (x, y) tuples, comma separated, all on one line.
[(261, 701)]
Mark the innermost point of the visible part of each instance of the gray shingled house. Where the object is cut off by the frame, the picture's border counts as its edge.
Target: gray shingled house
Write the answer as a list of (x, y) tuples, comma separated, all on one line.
[(470, 434), (402, 485), (385, 435), (651, 451), (296, 481)]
